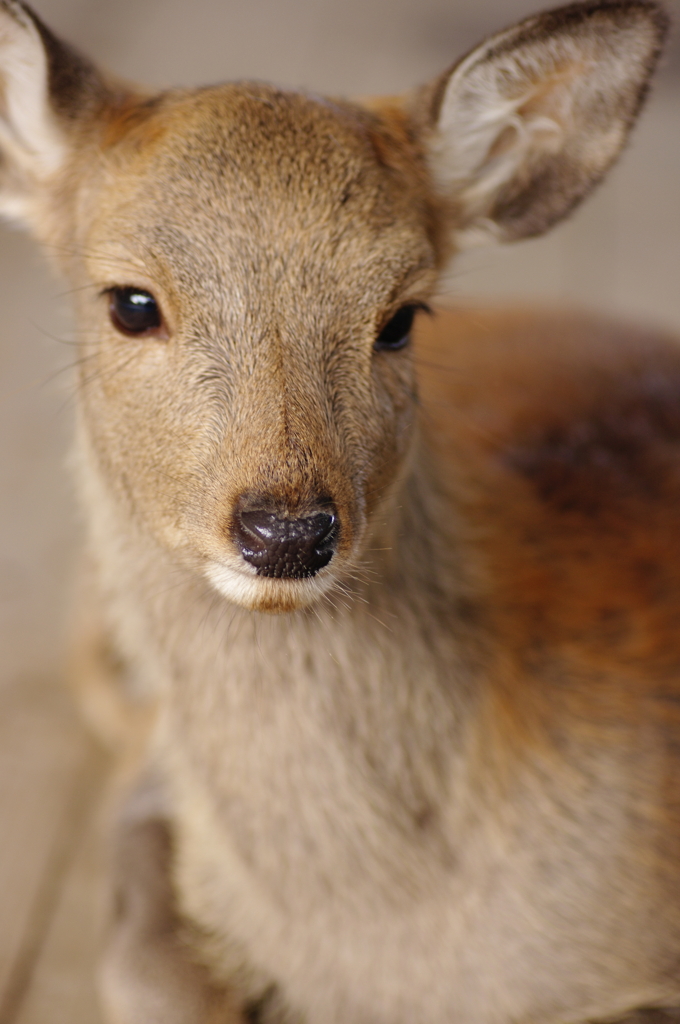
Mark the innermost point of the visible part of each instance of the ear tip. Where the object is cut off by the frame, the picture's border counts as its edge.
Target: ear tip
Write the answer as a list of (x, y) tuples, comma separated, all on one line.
[(14, 8), (654, 12), (650, 19), (558, 19), (20, 13), (661, 17)]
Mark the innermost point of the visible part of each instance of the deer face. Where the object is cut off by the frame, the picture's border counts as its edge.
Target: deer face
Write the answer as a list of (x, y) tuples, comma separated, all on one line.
[(249, 264)]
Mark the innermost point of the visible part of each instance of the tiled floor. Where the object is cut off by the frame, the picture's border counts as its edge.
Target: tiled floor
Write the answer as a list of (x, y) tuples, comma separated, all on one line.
[(620, 253)]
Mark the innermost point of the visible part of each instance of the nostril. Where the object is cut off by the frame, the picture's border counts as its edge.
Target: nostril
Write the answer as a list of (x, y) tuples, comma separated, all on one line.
[(280, 546)]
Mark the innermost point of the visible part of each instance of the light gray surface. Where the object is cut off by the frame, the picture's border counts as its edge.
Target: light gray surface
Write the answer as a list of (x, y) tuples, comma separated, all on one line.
[(328, 45), (620, 252)]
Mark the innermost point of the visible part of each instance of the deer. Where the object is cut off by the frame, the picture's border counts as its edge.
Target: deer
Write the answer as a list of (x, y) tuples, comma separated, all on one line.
[(380, 604)]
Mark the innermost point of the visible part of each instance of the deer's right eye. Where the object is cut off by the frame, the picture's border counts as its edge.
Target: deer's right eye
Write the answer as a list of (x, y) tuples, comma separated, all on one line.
[(134, 312)]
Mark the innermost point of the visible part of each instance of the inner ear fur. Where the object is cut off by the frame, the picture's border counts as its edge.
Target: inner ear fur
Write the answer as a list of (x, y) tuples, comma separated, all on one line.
[(48, 93), (520, 130)]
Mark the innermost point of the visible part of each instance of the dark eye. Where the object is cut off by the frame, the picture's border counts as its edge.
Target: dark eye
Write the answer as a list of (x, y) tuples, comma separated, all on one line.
[(396, 332), (134, 311)]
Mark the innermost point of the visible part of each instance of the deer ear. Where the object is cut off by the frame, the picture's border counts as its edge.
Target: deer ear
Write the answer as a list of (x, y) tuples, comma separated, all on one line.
[(46, 88), (521, 129)]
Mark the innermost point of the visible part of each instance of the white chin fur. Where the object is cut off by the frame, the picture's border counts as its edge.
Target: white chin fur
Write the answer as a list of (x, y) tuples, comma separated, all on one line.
[(263, 593)]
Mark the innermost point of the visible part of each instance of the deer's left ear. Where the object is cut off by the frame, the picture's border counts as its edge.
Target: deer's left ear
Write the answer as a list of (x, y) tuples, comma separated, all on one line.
[(520, 130)]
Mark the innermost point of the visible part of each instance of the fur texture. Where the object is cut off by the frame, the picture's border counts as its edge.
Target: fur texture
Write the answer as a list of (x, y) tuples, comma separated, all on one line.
[(436, 781)]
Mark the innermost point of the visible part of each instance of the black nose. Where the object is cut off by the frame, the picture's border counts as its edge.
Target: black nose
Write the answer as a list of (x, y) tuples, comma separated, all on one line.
[(286, 548)]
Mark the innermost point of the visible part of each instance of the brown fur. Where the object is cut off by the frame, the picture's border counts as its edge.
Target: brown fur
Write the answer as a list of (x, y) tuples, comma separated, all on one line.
[(439, 783)]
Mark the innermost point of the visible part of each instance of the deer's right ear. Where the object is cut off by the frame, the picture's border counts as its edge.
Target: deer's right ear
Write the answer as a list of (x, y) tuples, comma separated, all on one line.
[(46, 89)]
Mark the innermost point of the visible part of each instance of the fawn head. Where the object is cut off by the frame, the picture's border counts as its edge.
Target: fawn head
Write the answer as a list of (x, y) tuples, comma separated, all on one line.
[(249, 263)]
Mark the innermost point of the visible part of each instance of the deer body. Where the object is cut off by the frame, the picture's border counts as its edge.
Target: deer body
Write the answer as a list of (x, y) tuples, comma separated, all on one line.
[(321, 828), (412, 664)]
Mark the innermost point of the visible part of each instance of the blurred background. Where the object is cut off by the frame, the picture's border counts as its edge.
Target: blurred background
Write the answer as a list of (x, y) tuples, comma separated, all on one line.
[(619, 253)]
